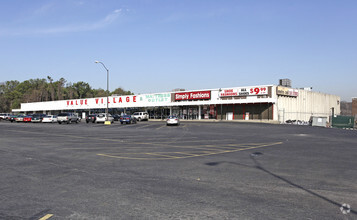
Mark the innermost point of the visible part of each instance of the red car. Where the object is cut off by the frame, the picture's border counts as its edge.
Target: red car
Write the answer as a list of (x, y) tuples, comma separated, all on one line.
[(27, 118)]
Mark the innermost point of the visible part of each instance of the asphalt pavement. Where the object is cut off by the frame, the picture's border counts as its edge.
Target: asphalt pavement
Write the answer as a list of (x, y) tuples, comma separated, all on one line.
[(193, 171)]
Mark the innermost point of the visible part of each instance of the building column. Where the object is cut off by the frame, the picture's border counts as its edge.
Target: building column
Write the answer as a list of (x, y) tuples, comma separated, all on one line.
[(199, 112), (170, 110)]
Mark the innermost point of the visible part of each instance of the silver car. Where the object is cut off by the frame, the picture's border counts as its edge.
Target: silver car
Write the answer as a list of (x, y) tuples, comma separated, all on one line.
[(67, 117), (101, 118), (172, 120), (49, 119)]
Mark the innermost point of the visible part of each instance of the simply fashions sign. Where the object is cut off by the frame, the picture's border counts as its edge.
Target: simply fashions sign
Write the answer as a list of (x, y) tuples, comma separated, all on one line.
[(192, 95)]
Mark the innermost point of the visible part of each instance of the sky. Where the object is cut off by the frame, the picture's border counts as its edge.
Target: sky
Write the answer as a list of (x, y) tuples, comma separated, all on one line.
[(154, 46)]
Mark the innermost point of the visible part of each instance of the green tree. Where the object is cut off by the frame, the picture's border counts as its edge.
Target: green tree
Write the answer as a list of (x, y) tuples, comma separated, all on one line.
[(83, 90), (13, 93), (99, 93), (51, 89), (121, 91)]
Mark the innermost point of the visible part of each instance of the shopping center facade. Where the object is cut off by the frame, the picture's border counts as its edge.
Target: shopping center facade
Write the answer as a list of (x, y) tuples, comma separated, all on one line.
[(264, 102)]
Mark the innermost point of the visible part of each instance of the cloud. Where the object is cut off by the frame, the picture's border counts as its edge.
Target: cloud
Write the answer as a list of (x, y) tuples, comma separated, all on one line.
[(109, 18), (69, 28), (44, 8)]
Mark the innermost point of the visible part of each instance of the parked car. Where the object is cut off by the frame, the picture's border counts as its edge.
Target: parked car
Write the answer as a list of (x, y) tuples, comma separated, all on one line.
[(91, 118), (67, 117), (49, 119), (13, 118), (19, 118), (27, 118), (4, 116), (102, 117), (127, 119), (141, 116), (172, 120), (116, 117), (37, 117)]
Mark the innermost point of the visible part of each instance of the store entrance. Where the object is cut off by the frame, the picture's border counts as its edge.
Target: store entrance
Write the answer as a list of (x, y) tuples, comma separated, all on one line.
[(186, 112)]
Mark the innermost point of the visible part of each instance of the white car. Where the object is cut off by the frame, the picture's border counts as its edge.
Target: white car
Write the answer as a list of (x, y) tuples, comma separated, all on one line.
[(4, 116), (49, 119), (101, 118), (141, 116), (172, 120)]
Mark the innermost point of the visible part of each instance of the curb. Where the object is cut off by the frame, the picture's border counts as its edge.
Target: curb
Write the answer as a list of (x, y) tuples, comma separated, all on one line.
[(223, 121)]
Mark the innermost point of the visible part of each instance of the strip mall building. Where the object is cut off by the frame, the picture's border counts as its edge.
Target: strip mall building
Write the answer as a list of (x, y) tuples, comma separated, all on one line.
[(266, 102)]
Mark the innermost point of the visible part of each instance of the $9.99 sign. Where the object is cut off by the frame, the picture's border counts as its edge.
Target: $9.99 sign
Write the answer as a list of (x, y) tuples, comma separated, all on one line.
[(244, 91), (258, 91)]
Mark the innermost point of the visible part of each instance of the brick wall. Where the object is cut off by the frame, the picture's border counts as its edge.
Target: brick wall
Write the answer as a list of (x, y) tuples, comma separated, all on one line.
[(354, 107)]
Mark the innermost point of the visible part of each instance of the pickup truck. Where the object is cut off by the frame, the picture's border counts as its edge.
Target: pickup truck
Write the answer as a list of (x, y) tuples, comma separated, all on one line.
[(67, 117), (141, 116)]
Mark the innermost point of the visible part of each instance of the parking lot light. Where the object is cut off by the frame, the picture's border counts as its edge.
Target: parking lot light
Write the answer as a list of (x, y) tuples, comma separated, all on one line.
[(106, 111)]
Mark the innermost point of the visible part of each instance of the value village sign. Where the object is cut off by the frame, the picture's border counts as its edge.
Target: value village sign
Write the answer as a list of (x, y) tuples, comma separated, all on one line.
[(99, 101), (119, 101), (130, 101)]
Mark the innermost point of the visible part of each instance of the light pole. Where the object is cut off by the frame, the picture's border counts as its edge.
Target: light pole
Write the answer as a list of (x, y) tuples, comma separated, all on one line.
[(106, 111), (220, 90)]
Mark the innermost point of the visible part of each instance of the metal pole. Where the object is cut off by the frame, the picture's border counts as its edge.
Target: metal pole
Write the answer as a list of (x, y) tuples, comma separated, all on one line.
[(106, 111), (107, 118)]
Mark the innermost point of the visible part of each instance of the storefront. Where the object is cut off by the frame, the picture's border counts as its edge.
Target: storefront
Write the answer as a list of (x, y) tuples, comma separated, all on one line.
[(249, 111), (267, 102)]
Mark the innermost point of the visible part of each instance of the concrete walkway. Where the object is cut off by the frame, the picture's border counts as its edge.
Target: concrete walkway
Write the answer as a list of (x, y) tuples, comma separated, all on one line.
[(223, 121)]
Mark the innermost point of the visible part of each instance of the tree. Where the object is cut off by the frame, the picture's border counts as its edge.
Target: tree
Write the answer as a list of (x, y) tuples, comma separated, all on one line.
[(51, 89), (13, 93), (82, 89), (99, 93), (60, 88), (121, 91)]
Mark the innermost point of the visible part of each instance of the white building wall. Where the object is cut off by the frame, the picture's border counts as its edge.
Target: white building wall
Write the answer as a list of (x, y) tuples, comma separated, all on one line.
[(132, 101), (301, 107), (305, 105)]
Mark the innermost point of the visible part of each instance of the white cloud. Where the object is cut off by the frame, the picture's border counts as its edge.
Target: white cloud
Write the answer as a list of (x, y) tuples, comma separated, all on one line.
[(111, 17), (44, 8)]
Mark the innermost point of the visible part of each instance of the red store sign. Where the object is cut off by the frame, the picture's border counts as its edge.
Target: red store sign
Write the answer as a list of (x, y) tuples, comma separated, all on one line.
[(77, 102), (244, 91), (193, 95), (98, 101)]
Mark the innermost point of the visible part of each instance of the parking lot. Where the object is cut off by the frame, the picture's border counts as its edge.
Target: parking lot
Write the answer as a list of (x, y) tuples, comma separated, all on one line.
[(198, 170)]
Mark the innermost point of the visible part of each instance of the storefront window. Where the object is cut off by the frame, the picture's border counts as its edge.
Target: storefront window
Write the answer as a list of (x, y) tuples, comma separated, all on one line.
[(208, 112), (186, 112)]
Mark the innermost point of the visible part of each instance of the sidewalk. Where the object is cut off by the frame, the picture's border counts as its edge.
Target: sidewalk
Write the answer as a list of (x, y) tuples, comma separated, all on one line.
[(223, 121)]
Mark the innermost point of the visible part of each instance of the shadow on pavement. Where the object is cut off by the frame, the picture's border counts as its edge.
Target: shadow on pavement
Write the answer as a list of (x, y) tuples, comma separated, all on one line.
[(260, 167)]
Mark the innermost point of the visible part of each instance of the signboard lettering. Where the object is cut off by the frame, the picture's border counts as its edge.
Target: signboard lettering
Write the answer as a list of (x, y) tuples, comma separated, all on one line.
[(192, 95), (162, 97), (99, 101), (285, 91), (244, 91)]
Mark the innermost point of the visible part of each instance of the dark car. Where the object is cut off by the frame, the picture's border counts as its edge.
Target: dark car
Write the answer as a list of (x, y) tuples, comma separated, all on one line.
[(13, 118), (37, 117), (116, 117), (91, 118), (127, 119)]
